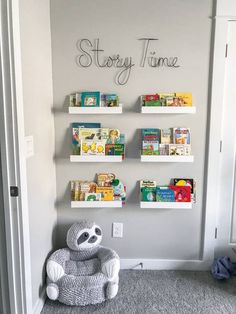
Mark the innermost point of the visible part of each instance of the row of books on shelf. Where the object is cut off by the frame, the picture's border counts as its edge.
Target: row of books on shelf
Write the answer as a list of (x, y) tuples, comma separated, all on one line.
[(92, 139), (107, 187), (93, 99), (179, 190), (167, 99), (171, 141)]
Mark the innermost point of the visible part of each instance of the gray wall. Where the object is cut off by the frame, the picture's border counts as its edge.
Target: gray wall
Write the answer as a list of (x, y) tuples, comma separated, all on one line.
[(38, 100), (183, 28)]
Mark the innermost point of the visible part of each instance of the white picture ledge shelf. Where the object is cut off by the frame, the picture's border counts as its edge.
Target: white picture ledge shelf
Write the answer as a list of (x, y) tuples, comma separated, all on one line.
[(152, 158), (95, 158), (96, 204), (168, 110), (166, 205), (95, 110)]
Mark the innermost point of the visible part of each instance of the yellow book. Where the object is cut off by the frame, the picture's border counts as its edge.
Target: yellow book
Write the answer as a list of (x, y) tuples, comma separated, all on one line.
[(184, 99), (107, 193)]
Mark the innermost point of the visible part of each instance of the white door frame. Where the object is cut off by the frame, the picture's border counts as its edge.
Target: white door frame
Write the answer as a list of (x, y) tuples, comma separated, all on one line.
[(13, 160), (225, 12)]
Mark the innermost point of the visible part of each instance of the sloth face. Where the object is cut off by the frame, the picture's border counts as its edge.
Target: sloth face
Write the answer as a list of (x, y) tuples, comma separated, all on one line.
[(83, 235), (89, 238)]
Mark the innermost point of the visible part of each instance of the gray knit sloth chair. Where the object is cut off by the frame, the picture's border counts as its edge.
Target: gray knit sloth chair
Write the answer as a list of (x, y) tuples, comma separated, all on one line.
[(85, 272)]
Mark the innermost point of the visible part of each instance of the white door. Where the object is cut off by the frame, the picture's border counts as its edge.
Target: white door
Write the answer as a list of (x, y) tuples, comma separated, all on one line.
[(226, 218)]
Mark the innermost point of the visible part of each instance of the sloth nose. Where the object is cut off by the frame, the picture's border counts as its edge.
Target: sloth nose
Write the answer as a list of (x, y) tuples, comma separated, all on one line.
[(92, 239)]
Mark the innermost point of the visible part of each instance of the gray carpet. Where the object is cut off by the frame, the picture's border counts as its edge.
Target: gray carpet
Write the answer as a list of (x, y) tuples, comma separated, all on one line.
[(168, 292)]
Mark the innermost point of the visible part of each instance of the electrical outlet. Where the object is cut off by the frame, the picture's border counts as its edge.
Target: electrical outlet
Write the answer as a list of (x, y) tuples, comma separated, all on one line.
[(117, 230)]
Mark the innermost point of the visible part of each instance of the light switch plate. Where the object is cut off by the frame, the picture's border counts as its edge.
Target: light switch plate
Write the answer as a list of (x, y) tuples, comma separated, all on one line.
[(117, 230), (29, 146)]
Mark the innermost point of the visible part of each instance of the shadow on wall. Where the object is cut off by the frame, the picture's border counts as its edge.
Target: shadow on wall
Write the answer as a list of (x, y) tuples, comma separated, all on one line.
[(133, 147)]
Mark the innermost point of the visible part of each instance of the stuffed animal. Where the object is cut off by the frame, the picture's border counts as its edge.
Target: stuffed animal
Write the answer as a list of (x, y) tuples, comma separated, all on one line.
[(85, 272)]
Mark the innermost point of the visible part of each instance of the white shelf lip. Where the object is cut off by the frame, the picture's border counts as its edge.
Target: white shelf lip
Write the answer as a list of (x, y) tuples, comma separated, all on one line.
[(96, 204), (173, 110), (95, 110), (162, 158), (166, 205), (95, 158)]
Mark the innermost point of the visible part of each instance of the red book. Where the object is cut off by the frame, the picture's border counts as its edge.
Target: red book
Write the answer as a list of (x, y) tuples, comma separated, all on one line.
[(182, 193), (151, 97)]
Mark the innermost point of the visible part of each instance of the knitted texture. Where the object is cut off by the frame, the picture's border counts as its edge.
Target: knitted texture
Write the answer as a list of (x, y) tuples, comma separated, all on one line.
[(89, 272)]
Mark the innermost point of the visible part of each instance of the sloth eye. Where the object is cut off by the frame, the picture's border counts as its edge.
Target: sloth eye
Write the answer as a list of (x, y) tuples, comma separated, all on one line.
[(98, 231), (86, 235)]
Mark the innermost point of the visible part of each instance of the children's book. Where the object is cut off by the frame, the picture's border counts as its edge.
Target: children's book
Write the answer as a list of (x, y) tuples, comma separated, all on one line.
[(75, 134), (107, 193), (92, 197), (90, 99), (164, 194), (151, 100), (148, 190), (182, 193), (181, 136), (111, 100), (113, 137), (176, 150), (150, 148), (164, 96), (90, 134), (186, 182), (92, 147), (115, 149), (166, 136), (72, 100), (78, 99), (105, 179), (164, 149), (151, 135), (184, 99)]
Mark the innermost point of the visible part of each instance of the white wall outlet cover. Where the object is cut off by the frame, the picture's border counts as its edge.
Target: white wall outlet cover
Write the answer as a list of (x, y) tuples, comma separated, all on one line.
[(29, 146), (117, 230)]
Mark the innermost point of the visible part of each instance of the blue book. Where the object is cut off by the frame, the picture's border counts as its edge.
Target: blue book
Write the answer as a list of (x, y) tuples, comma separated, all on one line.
[(151, 135), (90, 99), (164, 194)]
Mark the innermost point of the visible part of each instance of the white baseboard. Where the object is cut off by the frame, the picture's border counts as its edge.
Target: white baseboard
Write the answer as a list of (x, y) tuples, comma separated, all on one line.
[(38, 306), (164, 264)]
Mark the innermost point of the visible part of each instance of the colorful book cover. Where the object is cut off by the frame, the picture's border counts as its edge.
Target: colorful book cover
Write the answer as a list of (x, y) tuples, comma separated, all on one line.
[(165, 194), (90, 99), (150, 148), (92, 147), (107, 193), (185, 99), (105, 179), (176, 150), (115, 149), (148, 194), (181, 136), (148, 183), (75, 134), (114, 136), (187, 182), (166, 136), (164, 96), (111, 100), (92, 197), (153, 97), (182, 193), (151, 135), (90, 134)]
